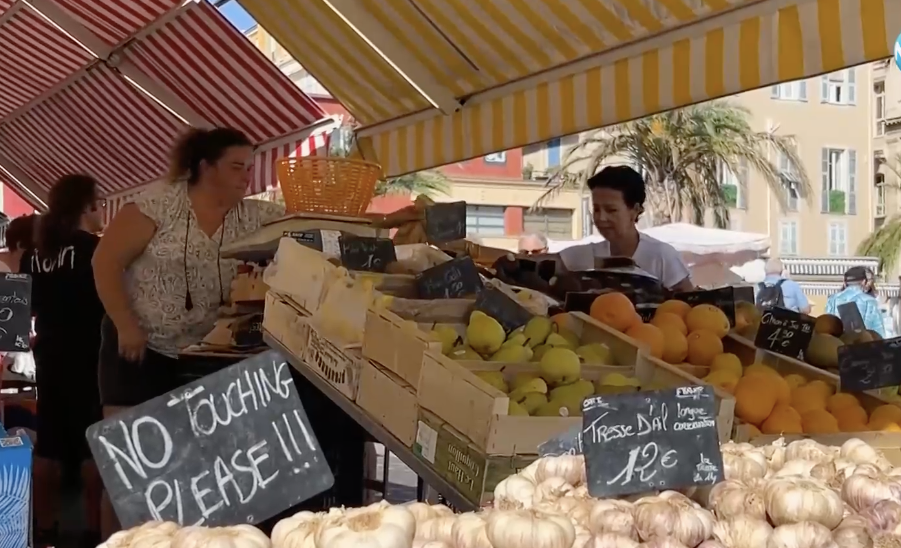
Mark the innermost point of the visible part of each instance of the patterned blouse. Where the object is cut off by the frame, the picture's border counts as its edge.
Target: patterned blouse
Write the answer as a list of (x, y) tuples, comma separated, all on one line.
[(156, 280)]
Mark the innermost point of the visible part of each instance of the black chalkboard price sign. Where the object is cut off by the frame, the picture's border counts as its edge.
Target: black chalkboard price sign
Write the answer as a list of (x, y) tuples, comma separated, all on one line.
[(722, 298), (232, 447), (368, 254), (851, 319), (870, 365), (784, 332), (15, 312), (651, 441), (509, 313), (453, 279), (445, 222), (567, 443)]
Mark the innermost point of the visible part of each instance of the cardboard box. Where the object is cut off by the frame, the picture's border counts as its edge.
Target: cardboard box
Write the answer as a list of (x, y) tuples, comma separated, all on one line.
[(15, 491), (390, 400), (395, 344)]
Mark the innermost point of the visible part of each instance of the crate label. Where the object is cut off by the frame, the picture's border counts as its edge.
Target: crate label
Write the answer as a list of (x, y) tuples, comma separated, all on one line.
[(426, 441), (459, 465), (322, 355)]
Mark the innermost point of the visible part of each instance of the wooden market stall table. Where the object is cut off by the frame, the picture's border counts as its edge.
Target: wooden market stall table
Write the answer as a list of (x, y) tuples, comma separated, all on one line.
[(422, 468)]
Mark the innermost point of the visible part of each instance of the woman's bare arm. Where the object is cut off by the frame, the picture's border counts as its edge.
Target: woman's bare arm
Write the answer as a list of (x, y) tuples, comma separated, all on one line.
[(123, 241), (684, 285)]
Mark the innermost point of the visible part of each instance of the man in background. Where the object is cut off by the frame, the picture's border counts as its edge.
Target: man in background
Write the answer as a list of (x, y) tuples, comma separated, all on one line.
[(777, 290), (857, 289), (533, 244)]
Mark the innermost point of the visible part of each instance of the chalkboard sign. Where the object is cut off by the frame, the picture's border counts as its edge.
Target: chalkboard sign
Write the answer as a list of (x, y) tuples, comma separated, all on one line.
[(651, 441), (453, 279), (445, 222), (368, 254), (744, 293), (784, 332), (580, 301), (851, 319), (308, 238), (509, 313), (15, 312), (870, 365), (722, 298), (567, 443), (232, 447)]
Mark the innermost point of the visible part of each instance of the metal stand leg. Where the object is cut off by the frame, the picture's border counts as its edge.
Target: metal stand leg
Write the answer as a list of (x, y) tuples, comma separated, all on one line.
[(386, 465), (420, 489)]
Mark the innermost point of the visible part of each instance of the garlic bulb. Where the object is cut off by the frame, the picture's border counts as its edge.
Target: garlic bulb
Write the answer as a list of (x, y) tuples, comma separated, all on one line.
[(672, 514), (868, 485), (439, 529), (234, 536), (469, 531), (743, 532), (742, 461), (582, 537), (809, 450), (860, 452), (609, 540), (530, 472), (299, 530), (733, 498), (832, 473), (663, 542), (882, 517), (378, 525), (514, 492), (151, 529), (775, 454), (430, 544), (712, 544), (529, 529), (153, 540), (422, 511), (852, 537), (793, 500), (570, 468), (805, 534), (578, 510), (612, 516), (795, 468), (550, 490)]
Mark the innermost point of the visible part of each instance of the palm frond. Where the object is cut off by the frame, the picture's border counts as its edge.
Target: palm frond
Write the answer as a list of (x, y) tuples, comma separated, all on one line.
[(428, 183), (884, 243)]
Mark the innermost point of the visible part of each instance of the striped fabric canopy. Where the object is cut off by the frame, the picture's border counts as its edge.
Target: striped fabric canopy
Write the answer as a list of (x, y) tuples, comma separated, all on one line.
[(105, 86), (502, 74)]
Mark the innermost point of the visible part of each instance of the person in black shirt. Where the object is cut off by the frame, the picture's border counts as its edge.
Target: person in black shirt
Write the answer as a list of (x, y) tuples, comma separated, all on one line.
[(67, 314)]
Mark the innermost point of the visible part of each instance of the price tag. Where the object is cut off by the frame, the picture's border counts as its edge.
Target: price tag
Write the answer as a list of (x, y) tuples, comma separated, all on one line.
[(852, 321), (309, 238), (369, 254), (722, 298), (15, 312), (445, 222), (509, 313), (870, 365), (454, 279), (568, 443), (784, 332), (651, 441)]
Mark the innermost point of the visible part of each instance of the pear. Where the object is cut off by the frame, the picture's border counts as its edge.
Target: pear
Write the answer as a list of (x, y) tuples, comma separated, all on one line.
[(515, 339), (517, 331), (570, 337), (464, 353), (618, 379), (448, 337), (560, 366), (580, 390), (521, 379), (484, 334), (594, 353), (532, 401), (560, 408), (537, 330), (494, 378), (534, 385), (514, 408), (606, 390), (539, 351), (557, 340), (512, 354)]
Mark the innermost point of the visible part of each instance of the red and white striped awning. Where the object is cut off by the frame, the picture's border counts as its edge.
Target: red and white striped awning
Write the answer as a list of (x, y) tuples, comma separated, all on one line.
[(222, 77), (114, 21), (99, 125)]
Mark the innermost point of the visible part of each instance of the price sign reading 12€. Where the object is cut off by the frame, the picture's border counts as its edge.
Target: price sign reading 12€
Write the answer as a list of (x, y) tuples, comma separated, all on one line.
[(784, 332), (651, 441)]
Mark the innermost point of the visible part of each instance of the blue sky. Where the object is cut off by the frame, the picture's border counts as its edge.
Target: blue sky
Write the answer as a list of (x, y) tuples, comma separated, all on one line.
[(238, 17)]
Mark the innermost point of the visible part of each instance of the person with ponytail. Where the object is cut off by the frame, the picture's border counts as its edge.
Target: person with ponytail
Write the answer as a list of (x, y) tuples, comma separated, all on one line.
[(67, 315), (159, 269)]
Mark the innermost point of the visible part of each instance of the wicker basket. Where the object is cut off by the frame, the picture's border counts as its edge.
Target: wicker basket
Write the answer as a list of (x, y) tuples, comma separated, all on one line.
[(338, 186)]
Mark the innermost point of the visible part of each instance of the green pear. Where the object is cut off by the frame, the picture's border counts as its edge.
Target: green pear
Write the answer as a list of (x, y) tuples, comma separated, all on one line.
[(534, 385), (484, 334), (557, 340), (567, 407), (517, 339), (517, 331), (512, 354), (539, 351), (560, 366), (537, 330), (464, 353), (580, 389), (594, 353), (521, 379), (607, 390), (570, 337), (448, 337), (514, 408), (494, 378), (532, 401)]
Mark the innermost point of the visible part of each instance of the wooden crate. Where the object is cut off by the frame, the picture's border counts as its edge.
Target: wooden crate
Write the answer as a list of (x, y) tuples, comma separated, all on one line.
[(287, 322), (478, 411), (397, 344), (390, 400), (471, 470)]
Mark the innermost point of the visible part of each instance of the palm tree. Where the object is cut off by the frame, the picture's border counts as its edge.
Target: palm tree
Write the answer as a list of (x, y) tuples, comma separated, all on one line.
[(884, 242), (429, 183), (682, 154)]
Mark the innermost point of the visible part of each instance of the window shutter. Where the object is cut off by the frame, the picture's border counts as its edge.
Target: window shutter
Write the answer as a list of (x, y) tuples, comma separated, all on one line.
[(802, 90), (774, 92), (850, 80), (824, 89), (852, 182), (824, 201)]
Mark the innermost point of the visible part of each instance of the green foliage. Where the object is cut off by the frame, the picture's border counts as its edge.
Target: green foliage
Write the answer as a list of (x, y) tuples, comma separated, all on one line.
[(837, 202)]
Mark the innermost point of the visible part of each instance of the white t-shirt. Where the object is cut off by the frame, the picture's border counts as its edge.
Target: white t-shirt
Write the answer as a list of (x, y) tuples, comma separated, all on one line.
[(657, 258)]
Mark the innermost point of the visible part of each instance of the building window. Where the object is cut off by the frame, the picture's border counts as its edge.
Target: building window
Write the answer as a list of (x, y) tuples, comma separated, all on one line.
[(556, 224), (553, 153), (788, 238), (792, 91), (880, 195), (790, 181), (734, 185), (496, 158), (839, 185), (485, 220), (587, 217), (838, 239), (879, 102), (839, 88)]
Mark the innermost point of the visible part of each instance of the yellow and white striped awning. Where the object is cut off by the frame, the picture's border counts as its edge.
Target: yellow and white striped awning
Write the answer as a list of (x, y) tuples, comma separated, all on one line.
[(439, 81)]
